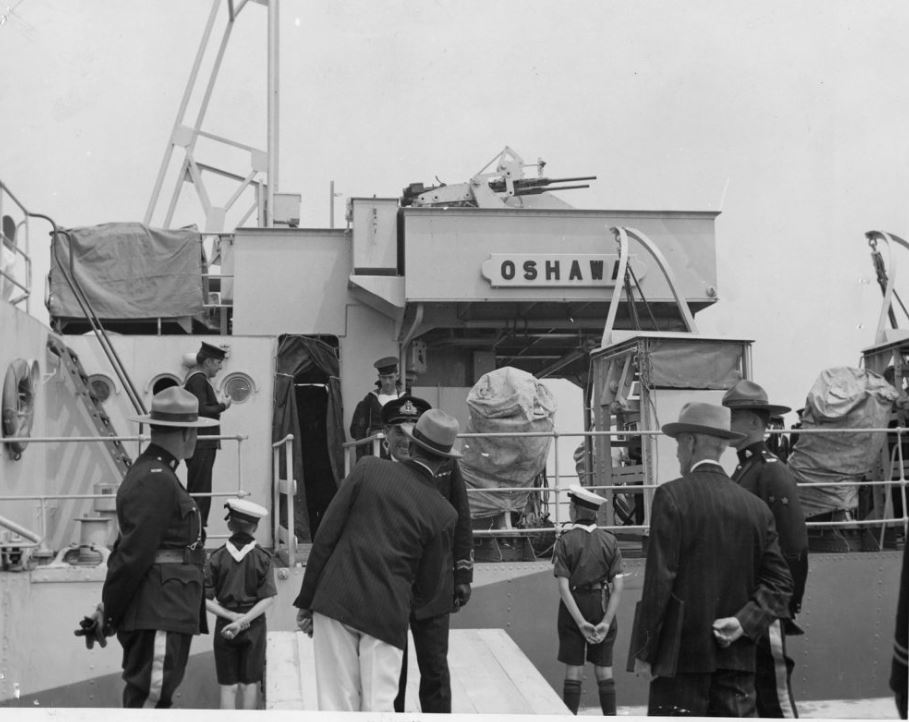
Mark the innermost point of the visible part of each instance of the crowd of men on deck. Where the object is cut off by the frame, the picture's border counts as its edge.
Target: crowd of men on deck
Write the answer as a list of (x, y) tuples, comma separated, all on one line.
[(726, 565)]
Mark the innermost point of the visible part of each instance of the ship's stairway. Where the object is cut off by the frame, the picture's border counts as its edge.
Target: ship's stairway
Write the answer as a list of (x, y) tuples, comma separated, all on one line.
[(489, 675), (75, 372)]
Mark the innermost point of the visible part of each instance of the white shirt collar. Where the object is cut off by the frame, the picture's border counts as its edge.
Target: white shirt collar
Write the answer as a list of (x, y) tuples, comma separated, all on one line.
[(704, 461)]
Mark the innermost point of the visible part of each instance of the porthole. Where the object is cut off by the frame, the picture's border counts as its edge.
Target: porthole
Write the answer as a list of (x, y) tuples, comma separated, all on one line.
[(238, 386), (18, 411), (102, 387), (163, 381)]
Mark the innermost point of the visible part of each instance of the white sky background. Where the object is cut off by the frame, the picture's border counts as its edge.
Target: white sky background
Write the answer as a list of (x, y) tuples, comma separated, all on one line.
[(803, 108)]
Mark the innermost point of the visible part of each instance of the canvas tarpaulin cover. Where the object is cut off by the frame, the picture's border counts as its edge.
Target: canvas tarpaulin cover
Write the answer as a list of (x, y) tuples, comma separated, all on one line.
[(505, 400), (298, 357), (680, 364), (841, 398), (128, 271)]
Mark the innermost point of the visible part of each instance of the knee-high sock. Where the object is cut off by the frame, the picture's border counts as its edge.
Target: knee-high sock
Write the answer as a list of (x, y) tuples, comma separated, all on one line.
[(606, 688), (571, 694)]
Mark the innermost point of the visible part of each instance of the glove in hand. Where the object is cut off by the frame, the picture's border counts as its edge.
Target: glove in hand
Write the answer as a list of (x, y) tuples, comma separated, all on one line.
[(93, 629)]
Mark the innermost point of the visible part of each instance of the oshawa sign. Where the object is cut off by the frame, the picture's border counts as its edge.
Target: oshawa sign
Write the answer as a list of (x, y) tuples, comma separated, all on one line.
[(504, 270)]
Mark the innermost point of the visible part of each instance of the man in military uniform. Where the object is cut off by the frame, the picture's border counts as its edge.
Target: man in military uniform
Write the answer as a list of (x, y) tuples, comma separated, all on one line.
[(153, 593), (429, 623), (199, 464), (367, 416), (763, 474)]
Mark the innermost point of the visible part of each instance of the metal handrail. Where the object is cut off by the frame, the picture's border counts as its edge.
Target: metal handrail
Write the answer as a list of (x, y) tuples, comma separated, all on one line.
[(289, 490)]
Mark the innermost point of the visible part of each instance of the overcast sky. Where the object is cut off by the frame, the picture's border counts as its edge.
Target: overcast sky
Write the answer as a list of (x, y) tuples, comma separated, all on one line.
[(800, 111)]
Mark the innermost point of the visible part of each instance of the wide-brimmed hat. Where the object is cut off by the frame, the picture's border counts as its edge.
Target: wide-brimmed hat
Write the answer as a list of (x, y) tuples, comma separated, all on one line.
[(387, 365), (749, 395), (436, 432), (699, 418), (583, 497), (175, 406), (405, 409), (244, 510)]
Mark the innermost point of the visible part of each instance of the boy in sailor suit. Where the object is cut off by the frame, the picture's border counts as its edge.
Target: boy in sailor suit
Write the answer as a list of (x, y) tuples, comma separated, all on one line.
[(239, 587), (588, 563)]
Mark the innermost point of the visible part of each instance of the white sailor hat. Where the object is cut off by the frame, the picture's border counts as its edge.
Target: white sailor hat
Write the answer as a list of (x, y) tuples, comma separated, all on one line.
[(587, 499), (244, 510)]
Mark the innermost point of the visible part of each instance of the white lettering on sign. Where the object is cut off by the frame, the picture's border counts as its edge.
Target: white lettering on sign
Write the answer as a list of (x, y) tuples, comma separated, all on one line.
[(554, 269)]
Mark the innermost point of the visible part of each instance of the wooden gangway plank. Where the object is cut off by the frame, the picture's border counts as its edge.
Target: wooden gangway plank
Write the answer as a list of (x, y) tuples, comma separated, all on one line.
[(489, 675)]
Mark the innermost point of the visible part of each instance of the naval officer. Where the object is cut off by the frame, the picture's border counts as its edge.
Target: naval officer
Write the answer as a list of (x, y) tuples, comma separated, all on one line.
[(153, 593), (367, 416), (199, 465)]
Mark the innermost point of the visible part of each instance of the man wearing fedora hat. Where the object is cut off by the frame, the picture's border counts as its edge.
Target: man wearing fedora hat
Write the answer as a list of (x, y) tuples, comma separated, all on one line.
[(714, 579), (367, 416), (199, 465), (384, 547), (153, 592), (430, 631), (763, 474)]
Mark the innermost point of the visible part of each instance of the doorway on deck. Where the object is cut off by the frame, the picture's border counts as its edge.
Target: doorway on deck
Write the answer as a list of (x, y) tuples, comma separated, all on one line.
[(308, 405)]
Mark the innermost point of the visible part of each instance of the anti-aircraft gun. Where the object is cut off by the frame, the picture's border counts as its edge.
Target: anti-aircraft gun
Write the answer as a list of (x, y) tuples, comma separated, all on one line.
[(505, 186)]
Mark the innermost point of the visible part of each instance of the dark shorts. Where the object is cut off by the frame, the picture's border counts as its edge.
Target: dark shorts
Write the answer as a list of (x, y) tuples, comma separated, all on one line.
[(240, 660), (573, 648)]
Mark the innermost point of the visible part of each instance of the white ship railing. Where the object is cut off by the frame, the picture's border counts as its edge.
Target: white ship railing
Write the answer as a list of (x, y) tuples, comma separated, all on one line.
[(562, 480), (42, 499)]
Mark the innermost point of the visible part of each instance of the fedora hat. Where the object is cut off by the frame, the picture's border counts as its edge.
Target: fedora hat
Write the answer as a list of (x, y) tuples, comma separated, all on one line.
[(699, 418), (175, 406), (405, 409), (749, 395), (436, 432)]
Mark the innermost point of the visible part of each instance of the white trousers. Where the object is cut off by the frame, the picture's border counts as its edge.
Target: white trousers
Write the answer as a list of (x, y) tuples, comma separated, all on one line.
[(354, 672)]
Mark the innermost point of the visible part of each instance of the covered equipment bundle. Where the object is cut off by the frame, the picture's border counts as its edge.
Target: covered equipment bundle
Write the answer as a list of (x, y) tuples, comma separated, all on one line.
[(841, 398), (506, 400)]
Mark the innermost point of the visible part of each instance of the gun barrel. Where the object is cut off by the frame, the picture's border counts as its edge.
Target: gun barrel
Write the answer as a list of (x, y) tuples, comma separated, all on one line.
[(538, 190)]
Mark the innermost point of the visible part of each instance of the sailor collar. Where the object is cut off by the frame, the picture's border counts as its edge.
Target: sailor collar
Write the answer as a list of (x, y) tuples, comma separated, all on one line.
[(239, 553), (589, 528)]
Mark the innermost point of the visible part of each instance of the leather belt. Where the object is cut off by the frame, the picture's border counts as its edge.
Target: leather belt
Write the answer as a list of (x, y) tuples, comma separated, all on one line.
[(595, 587), (180, 556)]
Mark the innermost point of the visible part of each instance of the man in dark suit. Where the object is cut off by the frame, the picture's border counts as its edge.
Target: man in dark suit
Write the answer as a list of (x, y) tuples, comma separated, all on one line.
[(430, 623), (714, 579), (198, 383), (153, 592), (765, 475), (384, 547)]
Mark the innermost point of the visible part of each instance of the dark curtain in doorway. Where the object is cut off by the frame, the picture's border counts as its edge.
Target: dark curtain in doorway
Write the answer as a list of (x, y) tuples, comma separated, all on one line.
[(301, 357)]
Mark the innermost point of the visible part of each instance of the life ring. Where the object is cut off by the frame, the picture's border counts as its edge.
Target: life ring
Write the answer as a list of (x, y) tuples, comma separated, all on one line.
[(18, 409)]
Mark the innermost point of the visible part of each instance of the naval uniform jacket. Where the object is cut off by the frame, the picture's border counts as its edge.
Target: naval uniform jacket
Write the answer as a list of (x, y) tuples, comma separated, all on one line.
[(714, 547), (155, 513), (450, 483), (386, 531), (765, 475), (209, 406)]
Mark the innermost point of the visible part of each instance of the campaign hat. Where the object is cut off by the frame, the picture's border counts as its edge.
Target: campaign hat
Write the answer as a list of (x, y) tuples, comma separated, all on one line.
[(387, 365), (435, 431), (751, 396), (244, 510), (405, 409), (175, 406), (585, 498), (207, 350), (697, 417)]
